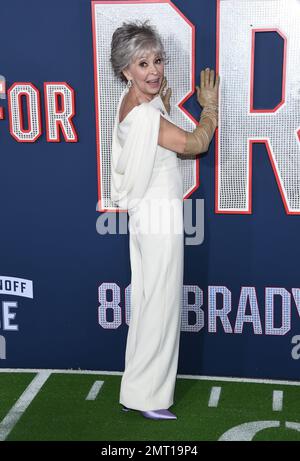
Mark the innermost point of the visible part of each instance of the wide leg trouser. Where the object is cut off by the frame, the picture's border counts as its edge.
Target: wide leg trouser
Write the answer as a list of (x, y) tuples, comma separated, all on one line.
[(156, 256)]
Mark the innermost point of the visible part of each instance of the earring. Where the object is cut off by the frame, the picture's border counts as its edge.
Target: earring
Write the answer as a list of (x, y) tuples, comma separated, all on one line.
[(129, 84)]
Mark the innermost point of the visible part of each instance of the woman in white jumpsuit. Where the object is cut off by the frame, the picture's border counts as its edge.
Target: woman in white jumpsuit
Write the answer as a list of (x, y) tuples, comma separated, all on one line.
[(146, 180)]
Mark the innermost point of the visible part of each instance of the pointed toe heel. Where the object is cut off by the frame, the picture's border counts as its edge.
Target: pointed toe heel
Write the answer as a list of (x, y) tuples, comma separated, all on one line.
[(158, 414), (125, 408)]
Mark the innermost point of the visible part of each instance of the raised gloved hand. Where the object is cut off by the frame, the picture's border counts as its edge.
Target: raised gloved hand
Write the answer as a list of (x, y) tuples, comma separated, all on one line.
[(165, 95), (208, 92), (208, 97)]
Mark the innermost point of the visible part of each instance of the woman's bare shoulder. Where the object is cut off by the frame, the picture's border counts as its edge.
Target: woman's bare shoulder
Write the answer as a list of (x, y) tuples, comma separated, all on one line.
[(127, 106)]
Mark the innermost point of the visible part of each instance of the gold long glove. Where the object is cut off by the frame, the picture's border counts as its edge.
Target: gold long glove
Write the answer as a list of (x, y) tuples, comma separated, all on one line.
[(207, 95)]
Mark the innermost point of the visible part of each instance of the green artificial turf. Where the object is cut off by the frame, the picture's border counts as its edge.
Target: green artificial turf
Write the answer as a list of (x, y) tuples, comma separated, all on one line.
[(12, 386), (60, 411)]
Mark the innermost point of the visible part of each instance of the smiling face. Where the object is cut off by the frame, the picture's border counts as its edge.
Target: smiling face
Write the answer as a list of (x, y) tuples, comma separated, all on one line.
[(146, 73)]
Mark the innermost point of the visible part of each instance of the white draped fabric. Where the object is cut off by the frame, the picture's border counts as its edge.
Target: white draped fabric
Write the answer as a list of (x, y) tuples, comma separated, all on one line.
[(147, 181)]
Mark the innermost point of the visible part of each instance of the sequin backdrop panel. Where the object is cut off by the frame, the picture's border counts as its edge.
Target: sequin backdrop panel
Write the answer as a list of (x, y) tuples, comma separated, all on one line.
[(237, 124)]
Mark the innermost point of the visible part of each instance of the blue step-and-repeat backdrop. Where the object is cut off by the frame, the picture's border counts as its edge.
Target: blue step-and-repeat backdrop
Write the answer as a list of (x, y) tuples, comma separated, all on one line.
[(64, 275)]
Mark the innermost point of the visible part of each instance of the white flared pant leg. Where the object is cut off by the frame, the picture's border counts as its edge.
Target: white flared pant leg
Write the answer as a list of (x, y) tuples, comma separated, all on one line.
[(152, 347)]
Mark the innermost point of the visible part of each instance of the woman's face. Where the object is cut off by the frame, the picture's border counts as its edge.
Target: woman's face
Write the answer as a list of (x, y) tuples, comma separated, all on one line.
[(146, 72)]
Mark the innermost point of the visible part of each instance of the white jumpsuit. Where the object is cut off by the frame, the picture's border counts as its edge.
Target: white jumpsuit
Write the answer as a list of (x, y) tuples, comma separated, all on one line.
[(146, 180)]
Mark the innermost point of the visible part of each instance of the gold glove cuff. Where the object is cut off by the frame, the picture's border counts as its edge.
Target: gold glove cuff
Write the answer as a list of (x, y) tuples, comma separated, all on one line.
[(198, 141)]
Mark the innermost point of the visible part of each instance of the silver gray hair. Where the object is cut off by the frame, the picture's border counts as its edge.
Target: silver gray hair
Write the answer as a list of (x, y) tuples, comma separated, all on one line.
[(129, 41)]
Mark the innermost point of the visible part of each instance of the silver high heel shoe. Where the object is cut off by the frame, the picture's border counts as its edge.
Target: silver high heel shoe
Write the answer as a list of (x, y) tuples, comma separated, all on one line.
[(154, 414), (125, 408), (159, 414)]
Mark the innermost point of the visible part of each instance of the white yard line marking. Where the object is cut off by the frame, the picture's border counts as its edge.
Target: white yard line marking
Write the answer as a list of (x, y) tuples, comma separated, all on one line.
[(247, 431), (277, 400), (214, 396), (94, 391), (15, 413), (295, 426), (120, 373)]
